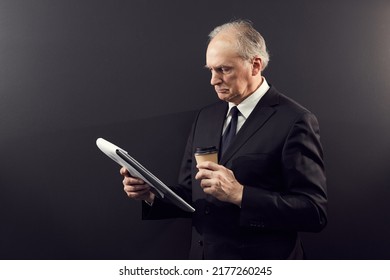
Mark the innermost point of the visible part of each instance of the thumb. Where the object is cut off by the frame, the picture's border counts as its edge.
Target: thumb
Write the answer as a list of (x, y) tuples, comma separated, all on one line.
[(124, 172)]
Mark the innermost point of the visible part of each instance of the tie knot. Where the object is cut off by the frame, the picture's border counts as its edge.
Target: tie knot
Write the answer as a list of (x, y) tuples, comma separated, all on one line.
[(234, 112)]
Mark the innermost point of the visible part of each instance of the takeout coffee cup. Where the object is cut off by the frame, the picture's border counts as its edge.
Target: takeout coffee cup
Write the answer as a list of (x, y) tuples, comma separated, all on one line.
[(206, 154)]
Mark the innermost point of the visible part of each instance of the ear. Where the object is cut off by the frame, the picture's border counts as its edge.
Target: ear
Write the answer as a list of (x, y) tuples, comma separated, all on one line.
[(257, 65)]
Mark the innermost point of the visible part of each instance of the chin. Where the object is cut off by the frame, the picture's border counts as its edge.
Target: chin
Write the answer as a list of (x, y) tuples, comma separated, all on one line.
[(224, 97)]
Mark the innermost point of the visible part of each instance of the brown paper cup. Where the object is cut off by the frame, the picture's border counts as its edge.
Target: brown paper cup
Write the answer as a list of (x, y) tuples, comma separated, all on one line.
[(206, 154)]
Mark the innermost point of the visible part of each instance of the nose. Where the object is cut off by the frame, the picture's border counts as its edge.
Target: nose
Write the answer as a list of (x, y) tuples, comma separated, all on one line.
[(215, 78)]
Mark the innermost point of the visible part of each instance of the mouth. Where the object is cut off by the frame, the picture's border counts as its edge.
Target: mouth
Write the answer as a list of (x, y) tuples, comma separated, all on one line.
[(222, 90)]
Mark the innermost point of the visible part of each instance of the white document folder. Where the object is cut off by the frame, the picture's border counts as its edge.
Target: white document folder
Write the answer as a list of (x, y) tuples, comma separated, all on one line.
[(137, 170)]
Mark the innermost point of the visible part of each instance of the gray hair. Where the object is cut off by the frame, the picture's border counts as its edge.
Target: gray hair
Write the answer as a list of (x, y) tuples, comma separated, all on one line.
[(250, 43)]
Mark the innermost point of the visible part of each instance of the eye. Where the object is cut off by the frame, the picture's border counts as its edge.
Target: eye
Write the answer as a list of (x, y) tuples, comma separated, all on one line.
[(225, 69), (221, 69)]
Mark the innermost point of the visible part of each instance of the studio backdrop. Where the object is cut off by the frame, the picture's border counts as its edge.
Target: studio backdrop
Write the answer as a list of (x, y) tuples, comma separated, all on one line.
[(133, 73)]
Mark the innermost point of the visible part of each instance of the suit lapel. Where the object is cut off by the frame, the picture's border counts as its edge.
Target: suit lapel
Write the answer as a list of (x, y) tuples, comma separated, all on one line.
[(214, 128), (260, 115)]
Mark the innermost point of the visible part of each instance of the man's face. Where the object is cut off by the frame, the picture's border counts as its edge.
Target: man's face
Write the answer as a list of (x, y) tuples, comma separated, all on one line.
[(231, 76)]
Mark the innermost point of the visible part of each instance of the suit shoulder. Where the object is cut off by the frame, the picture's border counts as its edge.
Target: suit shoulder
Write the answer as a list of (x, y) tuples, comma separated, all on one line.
[(212, 110), (213, 106), (290, 105), (210, 114)]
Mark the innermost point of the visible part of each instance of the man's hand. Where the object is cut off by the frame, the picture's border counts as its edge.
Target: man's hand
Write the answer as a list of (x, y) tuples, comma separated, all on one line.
[(136, 188), (219, 182)]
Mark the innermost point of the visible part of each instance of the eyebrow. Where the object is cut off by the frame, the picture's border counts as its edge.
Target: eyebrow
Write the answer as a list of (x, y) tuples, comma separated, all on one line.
[(217, 67)]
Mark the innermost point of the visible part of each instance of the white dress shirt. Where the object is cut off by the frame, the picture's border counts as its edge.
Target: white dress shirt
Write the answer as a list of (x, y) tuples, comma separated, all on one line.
[(246, 106)]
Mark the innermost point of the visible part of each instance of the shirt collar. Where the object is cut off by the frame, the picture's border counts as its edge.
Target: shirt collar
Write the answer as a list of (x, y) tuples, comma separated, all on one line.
[(248, 104)]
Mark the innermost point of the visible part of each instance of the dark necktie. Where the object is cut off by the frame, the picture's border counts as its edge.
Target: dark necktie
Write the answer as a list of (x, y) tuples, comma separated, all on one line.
[(230, 131)]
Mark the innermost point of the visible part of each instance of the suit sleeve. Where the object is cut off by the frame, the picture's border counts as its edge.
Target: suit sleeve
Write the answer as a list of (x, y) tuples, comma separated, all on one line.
[(301, 203)]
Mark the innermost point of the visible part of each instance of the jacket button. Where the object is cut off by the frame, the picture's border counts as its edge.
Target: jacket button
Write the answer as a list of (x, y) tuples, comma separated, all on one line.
[(207, 210), (200, 242)]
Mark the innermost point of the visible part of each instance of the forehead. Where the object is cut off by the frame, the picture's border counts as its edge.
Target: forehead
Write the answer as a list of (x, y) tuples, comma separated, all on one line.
[(221, 51)]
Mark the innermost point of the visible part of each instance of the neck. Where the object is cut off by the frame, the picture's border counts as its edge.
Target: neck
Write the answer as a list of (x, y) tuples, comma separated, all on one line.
[(252, 89)]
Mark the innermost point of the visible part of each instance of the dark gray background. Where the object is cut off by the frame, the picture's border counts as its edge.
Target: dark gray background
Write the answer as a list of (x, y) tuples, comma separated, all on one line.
[(132, 72)]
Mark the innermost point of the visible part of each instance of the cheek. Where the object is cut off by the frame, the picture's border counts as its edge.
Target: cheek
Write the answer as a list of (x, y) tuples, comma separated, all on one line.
[(236, 85), (231, 81)]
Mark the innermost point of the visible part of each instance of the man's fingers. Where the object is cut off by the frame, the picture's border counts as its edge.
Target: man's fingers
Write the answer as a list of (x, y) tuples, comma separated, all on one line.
[(133, 181), (209, 187), (139, 194), (205, 174), (136, 188), (208, 165)]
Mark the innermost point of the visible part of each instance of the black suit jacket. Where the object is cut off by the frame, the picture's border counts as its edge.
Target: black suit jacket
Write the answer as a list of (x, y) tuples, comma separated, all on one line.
[(278, 158)]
